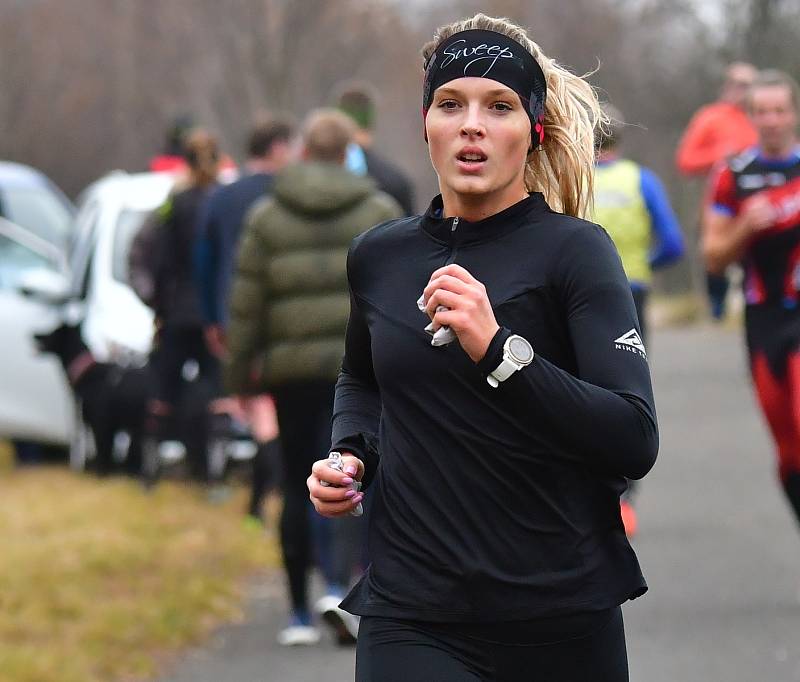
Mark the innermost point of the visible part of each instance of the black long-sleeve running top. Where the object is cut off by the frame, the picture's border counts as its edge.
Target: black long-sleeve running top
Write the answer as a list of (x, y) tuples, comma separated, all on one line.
[(495, 504)]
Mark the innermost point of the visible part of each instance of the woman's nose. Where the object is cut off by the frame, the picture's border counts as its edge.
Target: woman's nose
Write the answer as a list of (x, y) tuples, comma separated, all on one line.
[(473, 124)]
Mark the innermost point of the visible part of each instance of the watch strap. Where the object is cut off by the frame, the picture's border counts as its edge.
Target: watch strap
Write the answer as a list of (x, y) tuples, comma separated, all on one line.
[(505, 369)]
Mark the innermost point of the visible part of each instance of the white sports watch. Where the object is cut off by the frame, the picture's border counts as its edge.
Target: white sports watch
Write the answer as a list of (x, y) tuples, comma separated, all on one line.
[(517, 353)]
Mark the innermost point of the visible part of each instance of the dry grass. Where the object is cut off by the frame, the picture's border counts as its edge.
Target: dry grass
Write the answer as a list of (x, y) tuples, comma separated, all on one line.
[(99, 578), (6, 458)]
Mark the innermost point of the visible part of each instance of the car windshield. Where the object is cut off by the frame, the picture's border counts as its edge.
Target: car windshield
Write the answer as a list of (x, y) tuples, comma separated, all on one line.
[(16, 260), (128, 225), (39, 210)]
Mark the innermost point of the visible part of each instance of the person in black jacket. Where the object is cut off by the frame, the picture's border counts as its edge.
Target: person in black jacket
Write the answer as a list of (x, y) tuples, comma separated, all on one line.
[(494, 392), (176, 301), (358, 102)]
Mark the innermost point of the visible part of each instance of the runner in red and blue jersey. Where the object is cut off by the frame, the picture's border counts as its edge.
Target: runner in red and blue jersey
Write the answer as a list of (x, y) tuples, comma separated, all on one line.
[(753, 216)]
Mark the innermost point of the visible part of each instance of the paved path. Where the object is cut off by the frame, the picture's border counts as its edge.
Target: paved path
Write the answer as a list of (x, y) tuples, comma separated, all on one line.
[(717, 544)]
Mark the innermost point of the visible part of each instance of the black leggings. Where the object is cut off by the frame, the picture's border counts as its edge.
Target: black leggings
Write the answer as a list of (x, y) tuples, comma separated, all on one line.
[(584, 648), (304, 419)]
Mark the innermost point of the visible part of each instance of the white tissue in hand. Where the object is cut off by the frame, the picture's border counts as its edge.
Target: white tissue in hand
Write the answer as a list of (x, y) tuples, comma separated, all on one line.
[(443, 335)]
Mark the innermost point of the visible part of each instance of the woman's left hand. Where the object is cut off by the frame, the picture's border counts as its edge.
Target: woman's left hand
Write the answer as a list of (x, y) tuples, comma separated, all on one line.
[(470, 314)]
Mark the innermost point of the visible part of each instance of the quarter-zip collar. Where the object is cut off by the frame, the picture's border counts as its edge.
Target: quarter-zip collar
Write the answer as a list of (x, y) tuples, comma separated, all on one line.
[(460, 231)]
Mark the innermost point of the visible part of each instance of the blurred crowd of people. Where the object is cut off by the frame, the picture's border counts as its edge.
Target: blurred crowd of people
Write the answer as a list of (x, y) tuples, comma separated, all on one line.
[(246, 277)]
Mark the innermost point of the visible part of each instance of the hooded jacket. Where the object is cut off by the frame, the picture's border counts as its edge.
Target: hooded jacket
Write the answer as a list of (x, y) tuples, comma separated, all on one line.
[(289, 302)]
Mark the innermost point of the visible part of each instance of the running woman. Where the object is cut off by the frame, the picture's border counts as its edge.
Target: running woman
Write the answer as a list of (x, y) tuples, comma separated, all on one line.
[(496, 461), (753, 216)]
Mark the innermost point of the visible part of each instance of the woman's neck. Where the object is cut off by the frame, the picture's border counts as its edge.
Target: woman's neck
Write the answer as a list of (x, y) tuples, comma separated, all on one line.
[(476, 207)]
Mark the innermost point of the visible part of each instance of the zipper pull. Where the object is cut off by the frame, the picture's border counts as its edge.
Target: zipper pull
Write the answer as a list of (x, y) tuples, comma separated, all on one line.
[(455, 224)]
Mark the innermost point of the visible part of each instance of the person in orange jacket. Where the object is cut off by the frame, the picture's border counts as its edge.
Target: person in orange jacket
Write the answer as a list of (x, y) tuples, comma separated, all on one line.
[(721, 129), (715, 133)]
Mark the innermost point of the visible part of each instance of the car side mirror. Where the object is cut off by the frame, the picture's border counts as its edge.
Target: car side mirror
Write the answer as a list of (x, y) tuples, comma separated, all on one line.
[(45, 285)]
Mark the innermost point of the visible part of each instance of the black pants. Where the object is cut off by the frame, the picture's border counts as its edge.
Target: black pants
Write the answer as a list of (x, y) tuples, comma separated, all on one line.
[(717, 288), (267, 473), (585, 648), (304, 419), (176, 345), (177, 408)]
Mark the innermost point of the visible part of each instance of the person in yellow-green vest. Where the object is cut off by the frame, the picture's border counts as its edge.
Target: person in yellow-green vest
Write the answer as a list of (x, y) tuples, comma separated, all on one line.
[(631, 204)]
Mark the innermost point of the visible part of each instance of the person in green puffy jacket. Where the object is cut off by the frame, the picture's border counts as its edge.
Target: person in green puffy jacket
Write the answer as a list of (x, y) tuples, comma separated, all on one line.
[(288, 308)]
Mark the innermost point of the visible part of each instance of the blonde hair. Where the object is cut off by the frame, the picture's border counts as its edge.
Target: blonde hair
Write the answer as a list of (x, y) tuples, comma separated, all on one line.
[(326, 134), (563, 170)]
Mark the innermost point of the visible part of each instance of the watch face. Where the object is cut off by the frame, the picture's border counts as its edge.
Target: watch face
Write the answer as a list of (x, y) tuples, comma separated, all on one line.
[(520, 350)]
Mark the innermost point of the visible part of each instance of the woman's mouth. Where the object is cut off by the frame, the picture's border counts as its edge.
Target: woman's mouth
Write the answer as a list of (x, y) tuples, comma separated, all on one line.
[(471, 160)]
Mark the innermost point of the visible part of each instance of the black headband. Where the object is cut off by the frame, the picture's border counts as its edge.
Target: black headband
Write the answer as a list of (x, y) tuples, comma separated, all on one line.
[(486, 54)]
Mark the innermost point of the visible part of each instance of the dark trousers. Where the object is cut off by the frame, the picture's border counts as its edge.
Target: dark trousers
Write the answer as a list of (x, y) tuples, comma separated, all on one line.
[(304, 419), (266, 474), (171, 404), (717, 288), (588, 648), (175, 346)]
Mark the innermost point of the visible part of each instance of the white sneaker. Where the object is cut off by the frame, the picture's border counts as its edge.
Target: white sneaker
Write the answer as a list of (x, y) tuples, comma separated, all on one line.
[(299, 635), (343, 624)]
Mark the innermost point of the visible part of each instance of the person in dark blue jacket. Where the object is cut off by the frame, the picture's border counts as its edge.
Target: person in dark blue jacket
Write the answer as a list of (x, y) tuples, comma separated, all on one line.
[(219, 226), (222, 217)]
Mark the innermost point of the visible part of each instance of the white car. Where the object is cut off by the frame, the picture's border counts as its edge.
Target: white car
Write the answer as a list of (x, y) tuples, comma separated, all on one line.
[(117, 325), (30, 200), (35, 401)]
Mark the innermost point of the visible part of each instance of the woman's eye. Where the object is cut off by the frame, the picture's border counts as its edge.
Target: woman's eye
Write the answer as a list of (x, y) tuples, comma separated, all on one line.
[(448, 104), (502, 106)]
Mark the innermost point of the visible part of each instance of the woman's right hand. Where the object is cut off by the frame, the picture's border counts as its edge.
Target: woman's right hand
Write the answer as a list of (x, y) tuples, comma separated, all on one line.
[(337, 499)]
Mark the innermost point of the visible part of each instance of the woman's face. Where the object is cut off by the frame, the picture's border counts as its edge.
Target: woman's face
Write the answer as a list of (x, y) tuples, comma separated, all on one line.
[(479, 135)]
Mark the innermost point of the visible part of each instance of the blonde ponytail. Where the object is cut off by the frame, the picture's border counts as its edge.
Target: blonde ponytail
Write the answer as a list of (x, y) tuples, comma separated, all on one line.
[(563, 170)]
